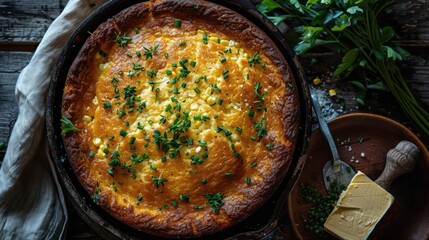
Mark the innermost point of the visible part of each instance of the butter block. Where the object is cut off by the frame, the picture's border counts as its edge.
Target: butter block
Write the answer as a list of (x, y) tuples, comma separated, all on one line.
[(359, 209)]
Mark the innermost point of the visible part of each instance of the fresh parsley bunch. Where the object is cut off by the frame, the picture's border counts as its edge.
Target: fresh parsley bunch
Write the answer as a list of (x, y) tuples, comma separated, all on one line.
[(351, 28)]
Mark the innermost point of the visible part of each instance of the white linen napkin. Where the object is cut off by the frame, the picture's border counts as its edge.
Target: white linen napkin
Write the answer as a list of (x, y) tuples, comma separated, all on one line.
[(32, 204)]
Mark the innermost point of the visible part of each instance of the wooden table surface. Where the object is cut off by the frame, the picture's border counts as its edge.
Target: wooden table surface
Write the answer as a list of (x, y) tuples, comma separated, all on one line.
[(24, 22)]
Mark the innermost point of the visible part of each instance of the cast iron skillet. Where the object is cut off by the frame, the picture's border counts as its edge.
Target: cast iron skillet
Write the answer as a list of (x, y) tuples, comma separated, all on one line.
[(261, 224)]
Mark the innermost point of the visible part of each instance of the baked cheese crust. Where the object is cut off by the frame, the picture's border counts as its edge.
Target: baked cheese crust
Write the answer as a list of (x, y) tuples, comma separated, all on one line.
[(187, 116)]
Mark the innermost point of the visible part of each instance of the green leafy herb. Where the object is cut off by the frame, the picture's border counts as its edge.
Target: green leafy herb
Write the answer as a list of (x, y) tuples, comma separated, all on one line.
[(254, 60), (323, 206), (352, 29), (215, 201), (67, 126), (150, 51), (159, 181), (122, 40), (95, 197), (184, 197)]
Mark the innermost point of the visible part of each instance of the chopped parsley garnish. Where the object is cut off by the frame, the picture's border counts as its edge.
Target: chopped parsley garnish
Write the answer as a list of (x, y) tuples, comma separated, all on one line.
[(197, 90), (226, 131), (137, 66), (114, 161), (91, 154), (184, 197), (222, 60), (248, 180), (197, 207), (129, 91), (250, 113), (261, 128), (159, 181), (269, 146), (182, 44), (193, 63), (95, 197), (149, 51), (204, 181), (174, 203), (215, 88), (122, 40), (107, 105), (132, 140), (168, 72), (67, 126), (239, 129), (215, 201), (196, 160), (228, 174), (151, 73), (254, 60)]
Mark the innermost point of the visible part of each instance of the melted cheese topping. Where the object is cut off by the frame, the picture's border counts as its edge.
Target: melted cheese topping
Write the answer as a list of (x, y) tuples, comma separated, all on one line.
[(182, 117)]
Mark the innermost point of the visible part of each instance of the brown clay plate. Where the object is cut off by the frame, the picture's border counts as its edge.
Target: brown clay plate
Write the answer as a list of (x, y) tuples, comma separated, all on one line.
[(374, 136)]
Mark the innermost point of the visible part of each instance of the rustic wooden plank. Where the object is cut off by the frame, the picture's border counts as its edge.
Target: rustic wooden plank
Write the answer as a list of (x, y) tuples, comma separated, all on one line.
[(27, 20), (12, 64), (410, 19), (417, 73)]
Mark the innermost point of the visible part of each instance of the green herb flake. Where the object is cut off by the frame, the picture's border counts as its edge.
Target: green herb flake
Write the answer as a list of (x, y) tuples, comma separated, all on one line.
[(248, 180), (122, 40), (184, 197), (107, 105), (222, 60), (159, 181), (67, 126), (215, 201), (95, 197), (123, 133), (269, 146), (177, 22), (205, 38)]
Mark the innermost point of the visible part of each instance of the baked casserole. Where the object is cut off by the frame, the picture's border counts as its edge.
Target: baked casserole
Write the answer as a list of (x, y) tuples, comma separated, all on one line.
[(180, 117)]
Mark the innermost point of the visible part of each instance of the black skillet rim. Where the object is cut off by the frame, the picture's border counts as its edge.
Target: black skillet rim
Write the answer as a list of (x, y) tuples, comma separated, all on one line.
[(109, 227)]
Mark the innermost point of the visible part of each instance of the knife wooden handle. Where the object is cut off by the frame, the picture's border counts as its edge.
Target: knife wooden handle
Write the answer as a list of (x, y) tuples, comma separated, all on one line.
[(399, 160)]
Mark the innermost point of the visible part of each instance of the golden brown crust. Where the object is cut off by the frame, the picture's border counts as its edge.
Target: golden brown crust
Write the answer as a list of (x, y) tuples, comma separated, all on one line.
[(240, 200)]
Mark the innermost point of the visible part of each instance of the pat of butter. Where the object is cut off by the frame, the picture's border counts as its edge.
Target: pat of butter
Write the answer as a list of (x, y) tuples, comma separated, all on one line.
[(359, 209)]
